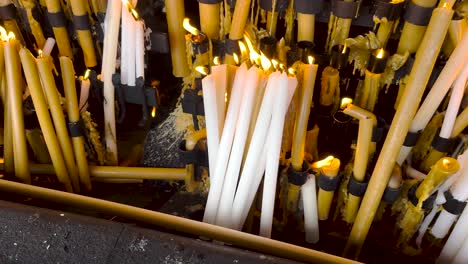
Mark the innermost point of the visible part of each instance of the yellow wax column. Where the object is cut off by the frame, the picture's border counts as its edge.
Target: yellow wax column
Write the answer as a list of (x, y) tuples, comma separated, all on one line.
[(68, 77), (50, 89), (272, 21), (60, 32), (330, 85), (375, 68), (412, 34), (34, 25), (325, 197), (15, 100), (37, 95), (80, 13), (209, 18), (7, 133), (419, 76), (460, 123), (239, 20), (305, 27), (338, 28), (175, 14), (10, 22)]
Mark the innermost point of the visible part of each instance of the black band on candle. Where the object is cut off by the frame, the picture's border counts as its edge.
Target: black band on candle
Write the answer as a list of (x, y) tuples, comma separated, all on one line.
[(338, 58), (210, 2), (200, 44), (418, 15), (217, 48), (75, 129), (232, 46), (453, 205), (377, 65), (442, 144), (357, 188), (308, 6), (8, 12), (388, 10), (267, 5), (192, 103), (196, 156), (391, 195), (411, 138), (427, 204), (57, 19), (327, 183), (81, 22), (344, 9), (378, 131), (405, 69), (268, 46), (298, 177)]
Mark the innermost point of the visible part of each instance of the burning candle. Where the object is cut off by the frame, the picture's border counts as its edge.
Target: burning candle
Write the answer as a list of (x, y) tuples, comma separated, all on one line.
[(68, 78), (209, 17), (45, 122), (14, 94), (60, 31), (328, 167), (419, 76), (175, 14), (84, 91), (375, 68), (10, 24), (108, 69), (128, 45)]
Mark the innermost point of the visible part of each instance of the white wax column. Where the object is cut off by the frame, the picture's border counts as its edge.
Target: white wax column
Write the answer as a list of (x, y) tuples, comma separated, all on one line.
[(131, 47), (124, 41), (238, 146), (454, 103), (48, 46), (462, 255), (249, 171), (211, 119), (140, 49), (273, 154), (84, 94), (309, 201), (216, 184)]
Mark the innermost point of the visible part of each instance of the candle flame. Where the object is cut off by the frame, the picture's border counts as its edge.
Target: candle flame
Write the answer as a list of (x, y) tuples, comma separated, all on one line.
[(216, 60), (322, 163), (131, 9), (86, 74), (10, 36), (249, 43), (345, 102), (153, 112), (254, 56), (39, 53), (380, 54), (291, 71), (446, 162), (225, 97), (266, 63), (344, 49), (310, 59), (445, 5), (3, 33), (202, 69), (282, 67), (275, 63), (243, 48), (190, 28), (236, 58)]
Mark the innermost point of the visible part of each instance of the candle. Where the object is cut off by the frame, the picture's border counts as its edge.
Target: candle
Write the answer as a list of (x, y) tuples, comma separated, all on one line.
[(223, 77), (285, 90), (108, 69), (84, 91), (375, 68), (10, 24), (15, 101), (305, 26), (209, 17), (338, 30), (330, 85), (44, 67), (175, 14), (460, 123), (309, 199), (68, 78), (419, 76), (251, 176), (34, 26), (462, 255), (455, 240), (329, 168), (438, 91), (235, 159), (128, 45), (211, 119), (45, 122), (7, 136), (60, 31), (216, 184), (85, 38), (309, 72)]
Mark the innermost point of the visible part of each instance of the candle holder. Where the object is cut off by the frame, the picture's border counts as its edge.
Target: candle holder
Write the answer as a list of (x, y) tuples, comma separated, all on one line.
[(200, 43), (304, 50), (377, 61), (268, 47), (339, 56)]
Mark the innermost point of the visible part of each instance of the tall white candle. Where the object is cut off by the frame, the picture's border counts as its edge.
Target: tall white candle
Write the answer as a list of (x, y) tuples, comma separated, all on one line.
[(273, 152), (124, 39), (216, 184), (250, 170), (211, 119), (455, 240), (109, 59), (462, 255), (309, 200), (140, 49), (237, 152)]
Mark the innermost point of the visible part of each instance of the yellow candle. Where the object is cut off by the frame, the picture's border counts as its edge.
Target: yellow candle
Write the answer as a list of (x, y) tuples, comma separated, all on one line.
[(370, 93), (68, 77), (7, 135), (35, 87), (60, 33), (209, 19), (419, 76), (460, 123), (50, 89), (325, 198), (35, 27), (14, 93), (309, 72), (84, 35), (330, 83), (305, 27), (175, 14)]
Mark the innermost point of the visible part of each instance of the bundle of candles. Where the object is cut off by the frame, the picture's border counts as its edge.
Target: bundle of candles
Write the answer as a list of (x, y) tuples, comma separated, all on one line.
[(277, 140)]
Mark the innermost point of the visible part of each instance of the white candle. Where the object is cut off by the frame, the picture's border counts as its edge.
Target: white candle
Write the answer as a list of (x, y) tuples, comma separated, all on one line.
[(84, 94), (108, 68), (462, 255), (455, 240), (309, 200), (250, 172), (454, 103), (211, 119), (237, 152), (140, 49), (273, 152), (216, 184), (124, 51), (48, 46)]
